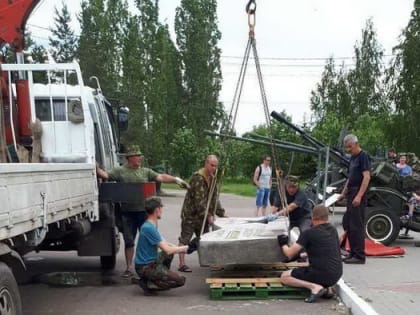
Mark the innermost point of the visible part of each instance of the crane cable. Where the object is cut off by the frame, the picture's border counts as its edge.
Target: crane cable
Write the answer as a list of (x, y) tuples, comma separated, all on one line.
[(251, 10), (229, 125)]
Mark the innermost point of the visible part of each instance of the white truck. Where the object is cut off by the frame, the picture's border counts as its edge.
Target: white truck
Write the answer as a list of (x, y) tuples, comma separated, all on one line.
[(53, 204)]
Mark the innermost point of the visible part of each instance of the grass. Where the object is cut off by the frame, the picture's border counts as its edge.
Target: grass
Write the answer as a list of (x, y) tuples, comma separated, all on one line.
[(241, 189)]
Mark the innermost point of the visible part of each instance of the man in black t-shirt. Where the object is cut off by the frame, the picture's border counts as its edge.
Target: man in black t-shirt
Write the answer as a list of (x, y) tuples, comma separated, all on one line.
[(298, 206), (322, 246), (355, 192)]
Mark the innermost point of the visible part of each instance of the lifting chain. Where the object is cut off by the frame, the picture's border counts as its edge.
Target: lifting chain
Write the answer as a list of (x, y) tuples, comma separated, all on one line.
[(229, 126)]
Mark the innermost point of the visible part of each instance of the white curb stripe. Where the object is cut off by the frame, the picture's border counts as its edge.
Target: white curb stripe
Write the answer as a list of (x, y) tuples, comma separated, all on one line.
[(357, 305)]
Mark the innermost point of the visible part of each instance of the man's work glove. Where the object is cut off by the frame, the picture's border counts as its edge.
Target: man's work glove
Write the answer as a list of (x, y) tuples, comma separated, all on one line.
[(193, 245), (182, 183), (221, 212), (282, 239)]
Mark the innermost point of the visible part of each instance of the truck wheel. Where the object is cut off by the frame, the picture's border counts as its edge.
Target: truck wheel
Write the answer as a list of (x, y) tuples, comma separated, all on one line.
[(10, 303), (108, 262), (382, 226)]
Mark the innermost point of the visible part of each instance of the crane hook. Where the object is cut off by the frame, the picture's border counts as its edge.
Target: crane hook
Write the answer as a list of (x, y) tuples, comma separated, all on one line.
[(251, 7)]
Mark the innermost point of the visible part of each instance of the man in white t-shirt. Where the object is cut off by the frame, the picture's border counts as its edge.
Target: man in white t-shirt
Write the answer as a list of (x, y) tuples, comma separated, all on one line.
[(262, 179)]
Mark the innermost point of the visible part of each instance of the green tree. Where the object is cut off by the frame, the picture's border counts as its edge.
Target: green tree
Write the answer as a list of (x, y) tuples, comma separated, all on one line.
[(103, 26), (353, 98), (132, 83), (184, 155), (404, 88), (197, 38), (63, 42), (365, 80), (163, 100)]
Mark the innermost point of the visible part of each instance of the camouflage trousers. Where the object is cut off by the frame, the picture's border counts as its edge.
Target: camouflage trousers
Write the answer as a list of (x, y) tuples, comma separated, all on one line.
[(191, 226), (159, 273)]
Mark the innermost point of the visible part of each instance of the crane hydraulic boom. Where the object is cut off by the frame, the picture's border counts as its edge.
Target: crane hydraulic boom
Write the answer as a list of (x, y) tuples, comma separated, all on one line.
[(13, 17)]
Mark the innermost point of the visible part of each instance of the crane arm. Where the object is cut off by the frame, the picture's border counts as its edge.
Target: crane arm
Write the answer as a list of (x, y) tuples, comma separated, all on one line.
[(13, 17)]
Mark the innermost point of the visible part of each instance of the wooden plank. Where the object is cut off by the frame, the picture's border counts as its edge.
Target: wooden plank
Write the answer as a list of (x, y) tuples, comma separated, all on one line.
[(276, 265), (242, 280)]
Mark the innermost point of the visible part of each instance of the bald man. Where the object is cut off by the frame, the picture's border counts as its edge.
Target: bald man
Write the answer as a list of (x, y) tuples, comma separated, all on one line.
[(195, 204)]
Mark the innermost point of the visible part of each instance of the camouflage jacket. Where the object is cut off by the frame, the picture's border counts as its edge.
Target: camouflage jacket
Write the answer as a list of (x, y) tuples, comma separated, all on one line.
[(195, 202)]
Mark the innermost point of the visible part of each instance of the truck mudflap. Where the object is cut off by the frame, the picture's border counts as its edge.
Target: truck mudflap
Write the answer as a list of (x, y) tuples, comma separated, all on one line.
[(103, 239), (126, 192)]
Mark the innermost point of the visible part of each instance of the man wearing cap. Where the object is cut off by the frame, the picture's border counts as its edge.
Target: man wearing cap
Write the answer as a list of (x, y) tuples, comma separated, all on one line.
[(134, 215), (151, 266), (298, 207)]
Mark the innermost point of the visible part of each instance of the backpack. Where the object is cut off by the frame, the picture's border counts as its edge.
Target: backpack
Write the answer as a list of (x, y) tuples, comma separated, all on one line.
[(259, 174)]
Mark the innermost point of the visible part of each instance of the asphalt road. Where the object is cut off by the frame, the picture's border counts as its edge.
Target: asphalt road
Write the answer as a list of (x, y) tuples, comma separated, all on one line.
[(110, 294)]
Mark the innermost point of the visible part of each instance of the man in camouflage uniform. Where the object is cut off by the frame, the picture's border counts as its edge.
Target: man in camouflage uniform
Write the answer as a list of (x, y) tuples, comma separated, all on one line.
[(134, 215), (195, 204)]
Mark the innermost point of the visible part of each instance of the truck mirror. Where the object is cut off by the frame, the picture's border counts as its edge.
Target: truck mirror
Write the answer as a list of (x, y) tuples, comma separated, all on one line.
[(123, 114)]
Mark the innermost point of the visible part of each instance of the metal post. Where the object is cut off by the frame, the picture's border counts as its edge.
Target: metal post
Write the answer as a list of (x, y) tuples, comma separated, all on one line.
[(3, 145), (318, 176), (327, 161)]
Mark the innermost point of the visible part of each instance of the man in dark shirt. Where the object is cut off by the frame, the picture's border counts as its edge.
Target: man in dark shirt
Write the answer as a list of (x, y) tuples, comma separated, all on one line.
[(322, 246), (355, 191), (298, 206)]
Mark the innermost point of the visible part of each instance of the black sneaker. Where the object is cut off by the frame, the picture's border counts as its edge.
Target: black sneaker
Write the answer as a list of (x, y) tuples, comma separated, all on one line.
[(354, 260)]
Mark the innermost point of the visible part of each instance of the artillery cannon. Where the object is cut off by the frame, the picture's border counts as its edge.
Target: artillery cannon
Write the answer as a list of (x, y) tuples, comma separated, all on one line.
[(387, 195)]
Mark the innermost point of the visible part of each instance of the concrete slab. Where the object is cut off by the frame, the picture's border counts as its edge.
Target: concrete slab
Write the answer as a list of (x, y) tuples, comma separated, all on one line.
[(242, 241)]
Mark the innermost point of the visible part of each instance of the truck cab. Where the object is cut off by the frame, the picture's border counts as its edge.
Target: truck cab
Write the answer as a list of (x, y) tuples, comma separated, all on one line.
[(49, 191)]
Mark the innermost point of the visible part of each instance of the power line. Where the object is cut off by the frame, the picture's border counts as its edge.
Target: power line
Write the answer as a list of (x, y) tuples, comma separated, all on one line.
[(290, 65), (261, 58), (40, 27), (300, 58)]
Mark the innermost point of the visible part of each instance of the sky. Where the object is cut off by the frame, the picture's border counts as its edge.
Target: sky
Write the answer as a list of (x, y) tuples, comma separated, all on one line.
[(294, 39)]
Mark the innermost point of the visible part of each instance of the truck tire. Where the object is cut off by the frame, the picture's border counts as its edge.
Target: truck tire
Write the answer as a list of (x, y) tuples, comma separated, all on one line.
[(10, 303), (382, 225)]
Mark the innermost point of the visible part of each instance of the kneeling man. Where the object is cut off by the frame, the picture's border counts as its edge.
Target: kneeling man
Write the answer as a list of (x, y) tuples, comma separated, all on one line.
[(151, 266), (322, 246)]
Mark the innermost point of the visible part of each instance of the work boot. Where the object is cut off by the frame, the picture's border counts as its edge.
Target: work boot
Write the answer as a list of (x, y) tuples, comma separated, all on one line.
[(146, 289)]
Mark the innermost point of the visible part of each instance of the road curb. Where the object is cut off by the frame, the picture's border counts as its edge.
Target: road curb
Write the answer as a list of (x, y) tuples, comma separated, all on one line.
[(355, 303)]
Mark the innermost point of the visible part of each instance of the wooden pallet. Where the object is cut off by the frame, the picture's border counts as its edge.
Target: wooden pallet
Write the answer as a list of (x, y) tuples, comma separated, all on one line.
[(252, 288), (256, 270)]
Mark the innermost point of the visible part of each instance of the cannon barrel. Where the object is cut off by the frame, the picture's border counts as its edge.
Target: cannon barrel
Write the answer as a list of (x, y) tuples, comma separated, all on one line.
[(337, 156), (290, 147), (297, 145)]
